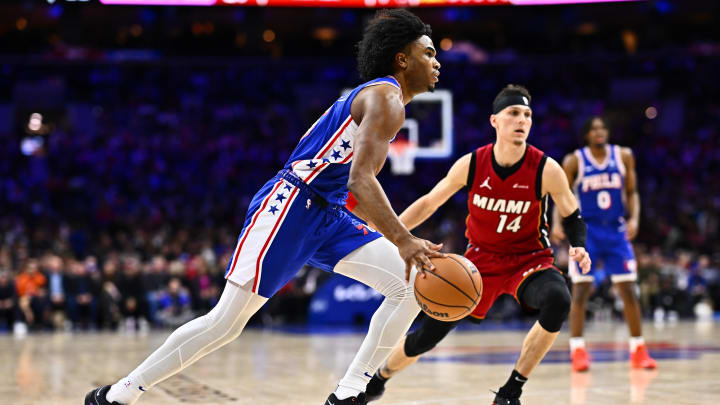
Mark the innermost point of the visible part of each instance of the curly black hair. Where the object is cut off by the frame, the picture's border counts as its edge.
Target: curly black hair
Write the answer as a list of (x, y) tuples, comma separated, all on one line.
[(386, 35), (587, 125)]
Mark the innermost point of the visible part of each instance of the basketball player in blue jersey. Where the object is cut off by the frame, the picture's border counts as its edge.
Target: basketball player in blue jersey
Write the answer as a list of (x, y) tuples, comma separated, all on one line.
[(605, 182), (297, 218)]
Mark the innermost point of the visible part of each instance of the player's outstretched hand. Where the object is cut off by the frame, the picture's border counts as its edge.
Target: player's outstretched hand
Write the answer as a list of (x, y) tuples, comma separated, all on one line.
[(581, 256), (417, 252), (557, 235)]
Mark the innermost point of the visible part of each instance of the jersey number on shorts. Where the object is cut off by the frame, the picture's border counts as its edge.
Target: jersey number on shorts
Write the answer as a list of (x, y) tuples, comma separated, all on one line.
[(603, 200), (513, 226)]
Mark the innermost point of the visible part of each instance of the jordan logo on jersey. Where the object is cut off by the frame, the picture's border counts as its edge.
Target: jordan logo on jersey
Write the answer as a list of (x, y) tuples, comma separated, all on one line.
[(486, 183), (501, 205)]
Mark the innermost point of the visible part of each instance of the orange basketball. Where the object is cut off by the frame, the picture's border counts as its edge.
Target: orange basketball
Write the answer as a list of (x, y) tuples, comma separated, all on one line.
[(450, 292)]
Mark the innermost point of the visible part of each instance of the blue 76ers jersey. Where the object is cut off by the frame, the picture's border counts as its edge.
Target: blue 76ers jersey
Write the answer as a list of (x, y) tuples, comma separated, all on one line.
[(323, 156), (600, 186)]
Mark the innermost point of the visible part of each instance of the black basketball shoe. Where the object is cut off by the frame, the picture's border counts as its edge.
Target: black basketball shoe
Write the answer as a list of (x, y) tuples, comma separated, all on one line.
[(500, 400), (97, 397), (375, 388), (358, 400)]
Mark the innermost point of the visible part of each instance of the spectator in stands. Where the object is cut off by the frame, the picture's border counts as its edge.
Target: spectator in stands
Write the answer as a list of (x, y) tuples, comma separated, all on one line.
[(156, 279), (697, 287), (32, 294), (57, 288), (132, 288), (205, 291), (175, 306), (81, 292), (110, 299)]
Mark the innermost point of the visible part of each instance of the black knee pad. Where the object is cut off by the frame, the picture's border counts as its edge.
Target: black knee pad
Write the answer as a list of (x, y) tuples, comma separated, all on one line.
[(429, 334), (554, 305), (547, 292)]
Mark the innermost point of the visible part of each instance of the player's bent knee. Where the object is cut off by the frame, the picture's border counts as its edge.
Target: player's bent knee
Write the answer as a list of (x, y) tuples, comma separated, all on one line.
[(555, 306), (404, 293), (427, 336), (418, 343)]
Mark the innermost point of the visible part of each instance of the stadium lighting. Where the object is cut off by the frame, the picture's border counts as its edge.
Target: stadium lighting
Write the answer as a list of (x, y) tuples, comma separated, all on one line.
[(352, 3)]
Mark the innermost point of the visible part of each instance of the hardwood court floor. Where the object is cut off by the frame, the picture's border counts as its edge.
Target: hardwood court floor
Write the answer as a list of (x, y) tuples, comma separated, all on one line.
[(270, 367)]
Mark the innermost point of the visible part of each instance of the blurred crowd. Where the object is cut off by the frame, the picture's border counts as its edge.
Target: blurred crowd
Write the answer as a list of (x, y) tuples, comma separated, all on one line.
[(124, 292), (121, 292), (124, 211)]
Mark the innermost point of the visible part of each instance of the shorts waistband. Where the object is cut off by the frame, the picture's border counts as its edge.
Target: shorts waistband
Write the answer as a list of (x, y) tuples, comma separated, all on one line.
[(304, 188)]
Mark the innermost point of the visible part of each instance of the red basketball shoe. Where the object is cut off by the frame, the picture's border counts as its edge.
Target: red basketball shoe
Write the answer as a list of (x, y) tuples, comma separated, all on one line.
[(640, 358), (580, 359)]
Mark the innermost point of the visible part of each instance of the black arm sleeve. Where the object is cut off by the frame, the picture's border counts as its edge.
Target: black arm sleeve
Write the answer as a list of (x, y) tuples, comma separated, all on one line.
[(471, 171), (575, 229)]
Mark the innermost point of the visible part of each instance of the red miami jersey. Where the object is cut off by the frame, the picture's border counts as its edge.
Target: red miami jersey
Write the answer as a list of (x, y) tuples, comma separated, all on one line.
[(507, 213)]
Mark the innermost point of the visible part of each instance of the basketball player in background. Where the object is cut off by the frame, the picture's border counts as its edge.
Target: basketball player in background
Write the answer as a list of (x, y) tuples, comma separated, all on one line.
[(605, 182), (296, 217), (508, 184)]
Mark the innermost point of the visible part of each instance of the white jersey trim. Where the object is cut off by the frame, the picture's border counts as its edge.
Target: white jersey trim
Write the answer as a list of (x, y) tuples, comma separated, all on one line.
[(349, 129), (618, 159), (543, 231), (391, 84), (595, 163), (308, 175), (274, 231), (623, 278)]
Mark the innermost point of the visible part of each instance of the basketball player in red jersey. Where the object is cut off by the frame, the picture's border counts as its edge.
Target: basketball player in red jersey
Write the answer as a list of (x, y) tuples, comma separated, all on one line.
[(508, 183)]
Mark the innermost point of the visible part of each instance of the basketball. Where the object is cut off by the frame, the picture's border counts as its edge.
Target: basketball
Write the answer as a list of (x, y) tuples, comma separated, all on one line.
[(450, 292)]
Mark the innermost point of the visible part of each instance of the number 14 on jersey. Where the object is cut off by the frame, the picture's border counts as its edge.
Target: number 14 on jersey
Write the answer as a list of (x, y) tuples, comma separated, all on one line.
[(513, 226)]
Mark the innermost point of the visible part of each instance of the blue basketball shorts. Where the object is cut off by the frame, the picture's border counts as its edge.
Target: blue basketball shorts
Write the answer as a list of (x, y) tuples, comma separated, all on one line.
[(611, 254), (288, 225)]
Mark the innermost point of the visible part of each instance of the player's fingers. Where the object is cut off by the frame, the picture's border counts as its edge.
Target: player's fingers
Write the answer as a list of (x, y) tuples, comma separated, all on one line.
[(408, 269), (434, 253), (426, 263), (418, 266), (586, 263), (434, 246)]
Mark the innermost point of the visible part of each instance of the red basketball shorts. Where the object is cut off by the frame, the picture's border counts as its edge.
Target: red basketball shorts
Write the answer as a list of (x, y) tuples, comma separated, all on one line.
[(504, 273)]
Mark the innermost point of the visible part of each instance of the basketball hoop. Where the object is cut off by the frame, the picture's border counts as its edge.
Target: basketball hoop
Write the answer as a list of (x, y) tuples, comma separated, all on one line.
[(402, 157)]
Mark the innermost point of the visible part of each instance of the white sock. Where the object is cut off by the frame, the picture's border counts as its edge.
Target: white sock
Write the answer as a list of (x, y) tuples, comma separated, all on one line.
[(126, 391), (636, 341), (576, 343), (346, 392)]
